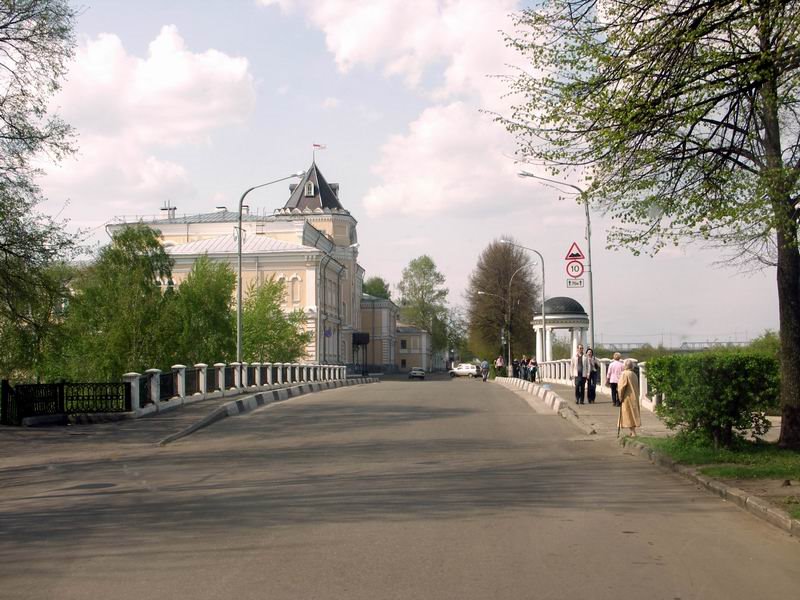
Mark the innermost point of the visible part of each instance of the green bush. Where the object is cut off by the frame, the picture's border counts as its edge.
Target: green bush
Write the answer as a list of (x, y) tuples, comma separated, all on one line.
[(715, 396)]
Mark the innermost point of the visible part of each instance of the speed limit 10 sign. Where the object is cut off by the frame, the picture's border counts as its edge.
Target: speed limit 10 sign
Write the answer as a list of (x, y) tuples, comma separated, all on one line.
[(574, 268)]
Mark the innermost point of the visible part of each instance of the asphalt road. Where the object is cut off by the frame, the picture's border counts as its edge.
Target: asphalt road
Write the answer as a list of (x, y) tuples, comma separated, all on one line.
[(431, 489)]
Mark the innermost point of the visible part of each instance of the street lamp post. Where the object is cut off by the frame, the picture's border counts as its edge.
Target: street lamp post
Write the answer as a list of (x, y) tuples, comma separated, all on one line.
[(589, 268), (544, 315), (239, 261)]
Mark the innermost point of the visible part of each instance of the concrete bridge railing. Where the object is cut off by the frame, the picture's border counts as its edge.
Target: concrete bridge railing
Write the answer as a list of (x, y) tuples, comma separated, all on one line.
[(558, 371), (154, 391)]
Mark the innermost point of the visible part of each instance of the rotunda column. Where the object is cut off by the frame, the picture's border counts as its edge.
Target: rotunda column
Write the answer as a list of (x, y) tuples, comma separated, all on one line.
[(539, 344), (548, 344)]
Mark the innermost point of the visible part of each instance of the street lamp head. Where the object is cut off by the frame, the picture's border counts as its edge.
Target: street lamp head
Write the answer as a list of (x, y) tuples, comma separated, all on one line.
[(298, 174), (505, 241), (481, 293)]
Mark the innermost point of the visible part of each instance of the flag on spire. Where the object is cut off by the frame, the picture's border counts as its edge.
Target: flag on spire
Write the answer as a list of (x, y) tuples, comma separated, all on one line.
[(314, 151)]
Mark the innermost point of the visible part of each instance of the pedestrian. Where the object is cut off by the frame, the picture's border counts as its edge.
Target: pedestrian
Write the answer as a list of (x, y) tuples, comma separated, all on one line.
[(485, 369), (498, 365), (533, 369), (594, 373), (523, 367), (628, 389), (515, 368), (580, 367), (615, 368)]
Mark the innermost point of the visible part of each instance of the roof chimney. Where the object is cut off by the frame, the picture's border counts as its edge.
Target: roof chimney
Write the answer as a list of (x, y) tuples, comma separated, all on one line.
[(245, 209), (222, 209)]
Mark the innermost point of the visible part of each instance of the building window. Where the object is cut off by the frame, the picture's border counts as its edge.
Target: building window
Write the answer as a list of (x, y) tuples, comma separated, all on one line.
[(403, 363), (403, 345), (309, 189), (295, 290)]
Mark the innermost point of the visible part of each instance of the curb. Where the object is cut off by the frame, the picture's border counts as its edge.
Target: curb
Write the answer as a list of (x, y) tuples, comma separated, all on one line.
[(249, 403), (552, 400), (752, 504)]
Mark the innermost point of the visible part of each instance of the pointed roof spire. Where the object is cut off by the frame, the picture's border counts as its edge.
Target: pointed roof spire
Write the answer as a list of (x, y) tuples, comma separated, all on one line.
[(313, 192)]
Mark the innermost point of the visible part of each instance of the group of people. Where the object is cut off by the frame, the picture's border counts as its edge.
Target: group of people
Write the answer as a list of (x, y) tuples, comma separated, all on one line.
[(620, 378), (525, 368)]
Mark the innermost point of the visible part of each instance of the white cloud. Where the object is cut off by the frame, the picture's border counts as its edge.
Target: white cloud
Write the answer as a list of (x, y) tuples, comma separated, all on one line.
[(330, 103), (127, 109), (451, 155)]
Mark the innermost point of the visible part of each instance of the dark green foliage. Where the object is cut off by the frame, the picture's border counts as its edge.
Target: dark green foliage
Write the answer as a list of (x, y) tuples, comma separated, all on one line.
[(197, 322), (378, 287), (36, 43), (423, 299), (112, 324), (714, 396), (268, 333)]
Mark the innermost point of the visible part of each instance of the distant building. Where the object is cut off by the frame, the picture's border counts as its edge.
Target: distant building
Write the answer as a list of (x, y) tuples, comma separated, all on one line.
[(310, 244), (414, 348), (379, 320)]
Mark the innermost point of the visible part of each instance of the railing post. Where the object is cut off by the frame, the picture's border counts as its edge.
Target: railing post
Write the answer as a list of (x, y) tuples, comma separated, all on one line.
[(181, 387), (237, 374), (202, 378), (219, 369), (155, 384), (280, 372), (133, 379), (269, 373), (257, 374)]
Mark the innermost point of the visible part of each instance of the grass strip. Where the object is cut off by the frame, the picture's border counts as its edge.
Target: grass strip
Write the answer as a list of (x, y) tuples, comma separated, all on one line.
[(748, 460)]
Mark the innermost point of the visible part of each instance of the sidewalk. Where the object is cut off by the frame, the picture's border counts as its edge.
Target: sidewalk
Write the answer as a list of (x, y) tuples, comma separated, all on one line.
[(603, 416), (600, 420)]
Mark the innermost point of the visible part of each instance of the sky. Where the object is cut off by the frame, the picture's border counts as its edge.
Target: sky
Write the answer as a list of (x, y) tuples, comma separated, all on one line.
[(192, 102)]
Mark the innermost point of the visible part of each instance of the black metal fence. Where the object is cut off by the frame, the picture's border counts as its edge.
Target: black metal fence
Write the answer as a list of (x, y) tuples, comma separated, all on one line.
[(167, 386), (51, 399), (229, 381), (251, 375), (192, 381)]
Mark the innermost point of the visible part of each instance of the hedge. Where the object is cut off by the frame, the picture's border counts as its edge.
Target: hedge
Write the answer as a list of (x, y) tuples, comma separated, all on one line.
[(715, 395)]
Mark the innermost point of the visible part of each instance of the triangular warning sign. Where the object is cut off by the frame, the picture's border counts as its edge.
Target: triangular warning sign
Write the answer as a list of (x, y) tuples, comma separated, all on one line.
[(574, 253)]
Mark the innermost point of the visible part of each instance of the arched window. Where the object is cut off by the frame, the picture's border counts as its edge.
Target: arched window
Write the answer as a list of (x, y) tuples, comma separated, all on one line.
[(309, 189)]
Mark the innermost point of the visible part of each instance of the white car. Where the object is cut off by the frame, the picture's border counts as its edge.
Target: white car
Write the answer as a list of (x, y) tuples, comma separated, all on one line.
[(416, 373), (465, 370)]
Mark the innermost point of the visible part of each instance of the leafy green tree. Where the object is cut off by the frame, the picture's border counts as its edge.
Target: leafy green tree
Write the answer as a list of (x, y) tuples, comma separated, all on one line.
[(197, 322), (112, 323), (423, 298), (378, 287), (268, 333), (36, 42), (683, 117)]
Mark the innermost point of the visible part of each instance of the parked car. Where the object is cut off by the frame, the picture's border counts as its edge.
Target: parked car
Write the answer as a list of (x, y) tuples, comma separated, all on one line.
[(416, 373), (465, 370)]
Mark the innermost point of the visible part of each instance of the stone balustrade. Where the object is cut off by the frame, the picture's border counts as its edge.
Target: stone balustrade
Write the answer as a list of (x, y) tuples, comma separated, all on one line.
[(192, 384)]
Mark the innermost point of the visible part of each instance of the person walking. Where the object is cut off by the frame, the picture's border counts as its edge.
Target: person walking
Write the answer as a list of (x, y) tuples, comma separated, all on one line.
[(615, 368), (628, 389), (533, 369), (498, 364), (485, 369), (594, 373), (580, 367)]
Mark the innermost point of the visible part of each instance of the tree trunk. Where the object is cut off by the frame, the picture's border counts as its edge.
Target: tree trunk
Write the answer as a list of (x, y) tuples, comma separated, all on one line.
[(789, 311)]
